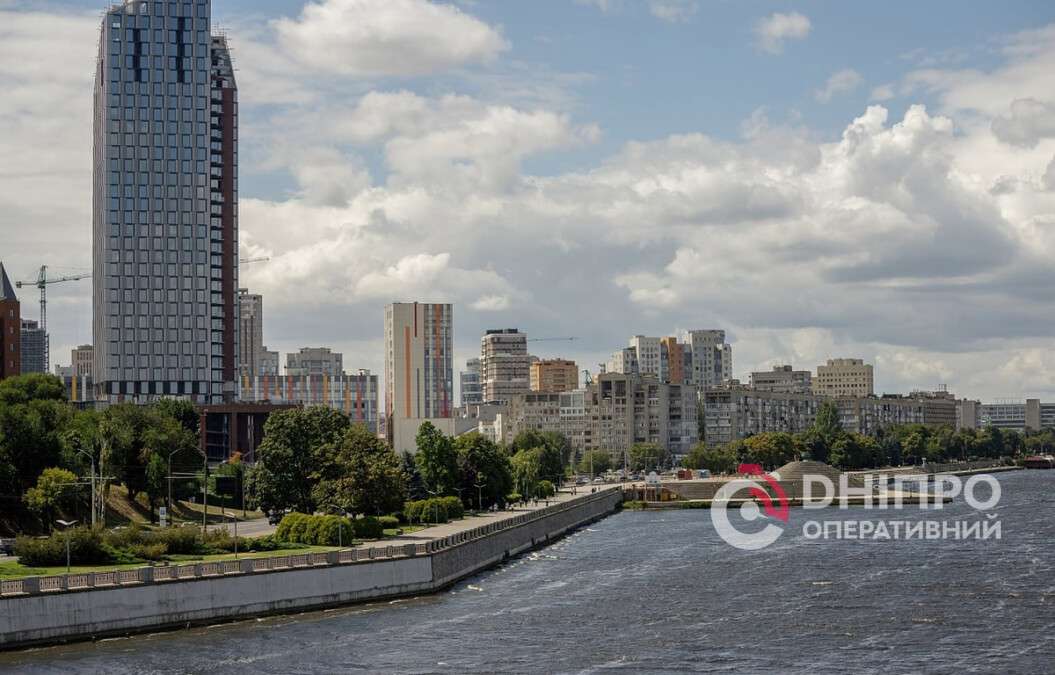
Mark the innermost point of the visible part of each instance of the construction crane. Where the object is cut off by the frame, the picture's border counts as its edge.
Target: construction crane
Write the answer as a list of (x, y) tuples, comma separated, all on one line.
[(42, 283), (552, 339), (246, 261)]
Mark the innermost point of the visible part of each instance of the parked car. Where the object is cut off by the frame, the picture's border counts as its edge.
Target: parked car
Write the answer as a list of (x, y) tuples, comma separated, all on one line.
[(7, 546)]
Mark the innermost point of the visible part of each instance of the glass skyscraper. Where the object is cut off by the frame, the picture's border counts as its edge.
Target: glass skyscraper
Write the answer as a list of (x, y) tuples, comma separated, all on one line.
[(165, 212)]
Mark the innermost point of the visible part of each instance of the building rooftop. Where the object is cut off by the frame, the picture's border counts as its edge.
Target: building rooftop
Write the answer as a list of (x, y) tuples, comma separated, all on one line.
[(7, 292)]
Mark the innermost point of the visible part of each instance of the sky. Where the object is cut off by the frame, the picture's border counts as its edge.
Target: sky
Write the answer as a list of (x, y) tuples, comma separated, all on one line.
[(821, 180)]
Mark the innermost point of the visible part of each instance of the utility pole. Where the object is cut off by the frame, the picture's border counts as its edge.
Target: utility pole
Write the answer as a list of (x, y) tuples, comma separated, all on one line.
[(95, 506)]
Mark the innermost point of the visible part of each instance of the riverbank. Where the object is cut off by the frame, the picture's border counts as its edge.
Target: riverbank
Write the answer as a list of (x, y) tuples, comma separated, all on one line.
[(41, 610)]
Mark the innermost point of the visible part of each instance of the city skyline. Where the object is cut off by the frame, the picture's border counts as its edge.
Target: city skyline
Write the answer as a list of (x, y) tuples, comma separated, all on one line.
[(763, 210)]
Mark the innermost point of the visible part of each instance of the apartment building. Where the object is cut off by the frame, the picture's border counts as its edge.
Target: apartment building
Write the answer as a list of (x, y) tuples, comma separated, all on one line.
[(504, 364), (554, 375), (354, 395), (784, 379), (844, 377)]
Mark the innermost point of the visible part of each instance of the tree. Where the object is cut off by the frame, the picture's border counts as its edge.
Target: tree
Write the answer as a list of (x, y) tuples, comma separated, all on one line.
[(180, 410), (56, 491), (771, 449), (527, 465), (437, 461), (716, 459), (293, 457), (555, 451), (595, 462), (412, 477), (648, 457), (482, 462), (366, 476), (827, 424), (31, 387)]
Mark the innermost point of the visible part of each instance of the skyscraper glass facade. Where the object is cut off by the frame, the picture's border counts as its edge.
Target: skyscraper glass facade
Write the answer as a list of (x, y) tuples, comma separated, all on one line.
[(165, 229)]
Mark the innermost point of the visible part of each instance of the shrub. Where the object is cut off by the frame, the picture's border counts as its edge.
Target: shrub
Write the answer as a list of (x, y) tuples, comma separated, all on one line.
[(412, 511), (514, 497), (86, 548), (331, 531), (546, 489), (179, 540), (292, 527), (389, 522), (400, 516), (368, 527), (154, 551), (454, 507), (433, 510)]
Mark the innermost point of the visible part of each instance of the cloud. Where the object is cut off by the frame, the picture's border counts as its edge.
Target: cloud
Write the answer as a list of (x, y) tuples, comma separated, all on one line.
[(883, 92), (673, 10), (772, 31), (841, 82), (366, 38), (1029, 122)]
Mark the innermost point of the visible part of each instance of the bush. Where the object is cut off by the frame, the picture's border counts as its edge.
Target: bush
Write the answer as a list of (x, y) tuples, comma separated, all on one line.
[(400, 516), (432, 510), (453, 505), (292, 527), (147, 551), (86, 548), (368, 528), (546, 489), (330, 531), (514, 497), (179, 540), (389, 522)]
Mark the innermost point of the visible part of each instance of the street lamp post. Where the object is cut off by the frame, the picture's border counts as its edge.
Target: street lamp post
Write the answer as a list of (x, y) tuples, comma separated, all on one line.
[(67, 525), (170, 482), (479, 495), (435, 506)]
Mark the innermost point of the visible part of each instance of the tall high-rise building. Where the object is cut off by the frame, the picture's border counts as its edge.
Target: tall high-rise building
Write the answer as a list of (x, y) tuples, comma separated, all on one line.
[(712, 358), (553, 376), (471, 389), (33, 341), (250, 332), (315, 361), (165, 205), (10, 328), (677, 359), (504, 364), (649, 356), (419, 370)]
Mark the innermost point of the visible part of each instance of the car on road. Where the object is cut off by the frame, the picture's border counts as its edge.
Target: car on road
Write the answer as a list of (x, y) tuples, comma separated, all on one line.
[(7, 546)]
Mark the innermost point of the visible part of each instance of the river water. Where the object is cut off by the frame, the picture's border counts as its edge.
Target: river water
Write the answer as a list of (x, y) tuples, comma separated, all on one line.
[(660, 592)]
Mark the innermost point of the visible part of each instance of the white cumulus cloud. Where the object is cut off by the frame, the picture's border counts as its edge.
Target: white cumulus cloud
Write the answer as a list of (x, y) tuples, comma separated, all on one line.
[(840, 82), (773, 31), (363, 38)]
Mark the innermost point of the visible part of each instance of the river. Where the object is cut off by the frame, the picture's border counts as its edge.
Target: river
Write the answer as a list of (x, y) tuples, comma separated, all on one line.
[(660, 592)]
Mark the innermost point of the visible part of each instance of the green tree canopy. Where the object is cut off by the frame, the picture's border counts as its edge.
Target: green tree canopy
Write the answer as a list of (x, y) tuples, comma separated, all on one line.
[(437, 461), (648, 457), (292, 457), (365, 477), (56, 491), (595, 462), (483, 462)]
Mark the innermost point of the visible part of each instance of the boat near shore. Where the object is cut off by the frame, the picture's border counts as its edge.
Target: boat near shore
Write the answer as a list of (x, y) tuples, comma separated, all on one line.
[(1039, 462)]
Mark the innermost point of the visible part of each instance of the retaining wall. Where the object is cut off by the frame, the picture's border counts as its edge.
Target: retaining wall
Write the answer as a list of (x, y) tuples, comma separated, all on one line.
[(86, 606)]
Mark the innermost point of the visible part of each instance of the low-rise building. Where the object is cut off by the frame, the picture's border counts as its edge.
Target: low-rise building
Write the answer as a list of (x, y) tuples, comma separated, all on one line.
[(868, 414), (354, 395), (1028, 415), (783, 379)]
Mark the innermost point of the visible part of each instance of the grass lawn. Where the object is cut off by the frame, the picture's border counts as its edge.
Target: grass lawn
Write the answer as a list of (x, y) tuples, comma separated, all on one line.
[(406, 529), (17, 571)]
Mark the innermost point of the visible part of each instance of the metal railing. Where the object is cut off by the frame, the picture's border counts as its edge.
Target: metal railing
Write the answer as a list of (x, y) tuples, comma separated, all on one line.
[(13, 588)]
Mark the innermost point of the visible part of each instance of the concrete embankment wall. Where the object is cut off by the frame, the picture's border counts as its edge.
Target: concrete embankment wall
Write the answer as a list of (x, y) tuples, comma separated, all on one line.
[(132, 601)]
